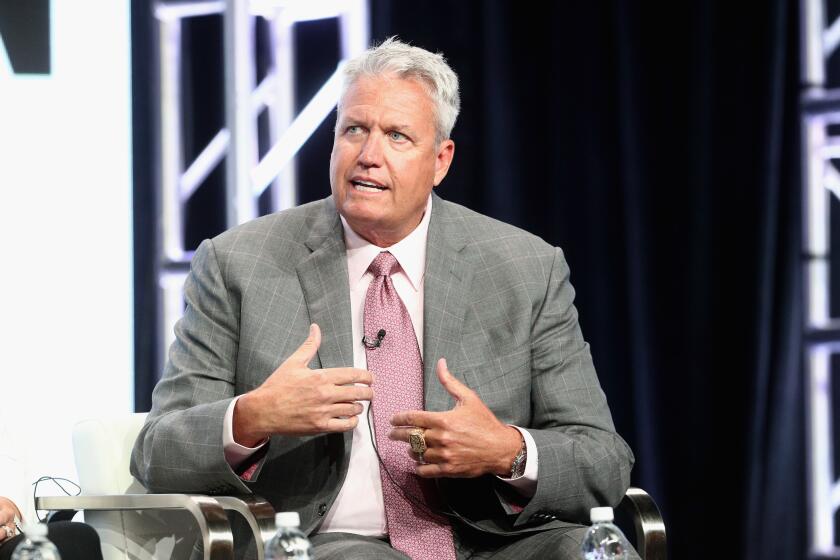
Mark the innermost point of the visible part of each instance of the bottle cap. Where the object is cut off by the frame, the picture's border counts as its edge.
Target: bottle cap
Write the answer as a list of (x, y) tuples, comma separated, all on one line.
[(35, 529), (287, 519), (601, 514)]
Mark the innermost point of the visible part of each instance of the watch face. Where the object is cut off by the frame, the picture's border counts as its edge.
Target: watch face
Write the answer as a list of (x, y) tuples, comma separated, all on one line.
[(518, 466)]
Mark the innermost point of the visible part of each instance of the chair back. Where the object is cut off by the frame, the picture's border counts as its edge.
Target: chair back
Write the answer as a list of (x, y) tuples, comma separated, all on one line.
[(102, 450)]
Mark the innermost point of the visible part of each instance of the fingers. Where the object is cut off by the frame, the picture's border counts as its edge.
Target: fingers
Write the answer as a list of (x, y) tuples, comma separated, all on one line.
[(341, 424), (345, 410), (433, 470), (306, 351), (351, 393), (436, 465), (435, 454), (7, 512), (346, 376), (7, 527), (340, 417), (417, 418), (402, 434), (336, 393), (450, 383)]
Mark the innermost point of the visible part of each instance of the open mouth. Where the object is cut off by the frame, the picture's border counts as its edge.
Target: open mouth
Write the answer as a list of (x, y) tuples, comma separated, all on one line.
[(367, 186)]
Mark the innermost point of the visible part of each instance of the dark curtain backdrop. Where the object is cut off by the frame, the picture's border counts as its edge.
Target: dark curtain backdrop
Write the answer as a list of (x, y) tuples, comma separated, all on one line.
[(658, 145)]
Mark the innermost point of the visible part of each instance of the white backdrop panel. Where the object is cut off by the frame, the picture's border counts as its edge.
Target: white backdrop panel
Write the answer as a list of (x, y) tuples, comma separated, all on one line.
[(66, 234)]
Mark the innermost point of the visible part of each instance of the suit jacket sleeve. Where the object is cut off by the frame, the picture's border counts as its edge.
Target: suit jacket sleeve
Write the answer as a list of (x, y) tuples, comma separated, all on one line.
[(583, 462), (180, 447)]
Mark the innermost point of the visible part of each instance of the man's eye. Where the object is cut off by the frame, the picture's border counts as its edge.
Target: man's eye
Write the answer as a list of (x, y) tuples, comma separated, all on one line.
[(397, 136), (354, 129)]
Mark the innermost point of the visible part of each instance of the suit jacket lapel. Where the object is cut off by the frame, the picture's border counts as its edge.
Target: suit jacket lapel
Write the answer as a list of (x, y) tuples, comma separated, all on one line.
[(323, 279), (448, 278)]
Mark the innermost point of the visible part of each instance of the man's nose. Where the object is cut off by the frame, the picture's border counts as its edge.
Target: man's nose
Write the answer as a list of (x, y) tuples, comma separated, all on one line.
[(371, 154)]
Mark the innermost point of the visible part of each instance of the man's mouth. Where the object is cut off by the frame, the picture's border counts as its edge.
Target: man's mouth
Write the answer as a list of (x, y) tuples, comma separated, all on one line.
[(367, 186)]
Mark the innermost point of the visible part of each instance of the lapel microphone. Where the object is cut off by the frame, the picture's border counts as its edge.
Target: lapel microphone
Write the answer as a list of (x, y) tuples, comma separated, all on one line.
[(374, 343)]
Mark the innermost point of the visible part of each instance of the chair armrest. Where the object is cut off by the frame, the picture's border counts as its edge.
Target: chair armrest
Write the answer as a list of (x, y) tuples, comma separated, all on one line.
[(207, 512), (257, 512), (650, 528)]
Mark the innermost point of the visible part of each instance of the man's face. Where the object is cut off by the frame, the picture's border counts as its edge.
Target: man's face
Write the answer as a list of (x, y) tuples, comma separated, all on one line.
[(384, 161)]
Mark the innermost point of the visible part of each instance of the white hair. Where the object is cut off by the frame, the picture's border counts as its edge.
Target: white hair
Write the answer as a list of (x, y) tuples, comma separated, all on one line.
[(393, 56)]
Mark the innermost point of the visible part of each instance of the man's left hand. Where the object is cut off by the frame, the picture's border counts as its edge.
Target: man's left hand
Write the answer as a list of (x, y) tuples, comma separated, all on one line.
[(8, 512), (465, 442)]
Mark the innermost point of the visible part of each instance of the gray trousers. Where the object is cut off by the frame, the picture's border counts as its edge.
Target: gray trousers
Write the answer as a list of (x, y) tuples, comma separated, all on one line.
[(558, 544)]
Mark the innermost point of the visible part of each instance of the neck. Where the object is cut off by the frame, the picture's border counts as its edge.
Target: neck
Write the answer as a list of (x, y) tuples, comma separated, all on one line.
[(380, 238)]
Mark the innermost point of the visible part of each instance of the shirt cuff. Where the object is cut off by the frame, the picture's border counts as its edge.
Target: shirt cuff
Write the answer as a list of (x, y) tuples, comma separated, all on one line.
[(236, 454), (526, 485)]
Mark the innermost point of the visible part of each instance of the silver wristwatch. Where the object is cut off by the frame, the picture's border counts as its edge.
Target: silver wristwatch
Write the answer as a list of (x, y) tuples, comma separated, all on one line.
[(517, 467)]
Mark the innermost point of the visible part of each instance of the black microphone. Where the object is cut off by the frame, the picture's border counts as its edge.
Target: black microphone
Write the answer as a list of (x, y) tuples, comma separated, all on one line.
[(371, 343)]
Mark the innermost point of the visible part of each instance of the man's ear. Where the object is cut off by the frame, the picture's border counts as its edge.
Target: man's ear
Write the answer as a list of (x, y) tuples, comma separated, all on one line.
[(445, 153)]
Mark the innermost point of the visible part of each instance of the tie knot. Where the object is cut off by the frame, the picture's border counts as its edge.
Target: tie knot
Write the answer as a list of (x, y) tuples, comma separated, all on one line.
[(384, 264)]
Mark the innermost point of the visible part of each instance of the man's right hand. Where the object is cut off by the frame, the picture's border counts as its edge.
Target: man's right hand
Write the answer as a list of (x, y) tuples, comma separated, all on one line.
[(296, 400)]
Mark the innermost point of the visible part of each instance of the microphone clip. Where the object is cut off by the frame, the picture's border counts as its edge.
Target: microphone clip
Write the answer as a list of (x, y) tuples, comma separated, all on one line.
[(371, 342)]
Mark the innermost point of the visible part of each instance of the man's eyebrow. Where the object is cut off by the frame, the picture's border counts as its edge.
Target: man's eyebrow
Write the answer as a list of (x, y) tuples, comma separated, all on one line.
[(402, 127), (352, 120)]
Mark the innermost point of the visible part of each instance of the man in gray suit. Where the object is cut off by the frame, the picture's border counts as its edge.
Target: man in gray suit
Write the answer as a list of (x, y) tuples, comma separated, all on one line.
[(512, 441)]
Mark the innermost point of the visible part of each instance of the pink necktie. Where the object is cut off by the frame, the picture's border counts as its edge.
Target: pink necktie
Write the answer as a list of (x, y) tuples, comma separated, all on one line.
[(398, 386)]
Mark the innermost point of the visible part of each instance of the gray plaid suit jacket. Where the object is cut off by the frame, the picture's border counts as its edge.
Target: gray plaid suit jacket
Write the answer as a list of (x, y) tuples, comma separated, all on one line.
[(498, 305)]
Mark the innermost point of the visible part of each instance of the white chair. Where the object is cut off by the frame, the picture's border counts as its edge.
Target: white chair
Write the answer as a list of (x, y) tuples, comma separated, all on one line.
[(134, 525)]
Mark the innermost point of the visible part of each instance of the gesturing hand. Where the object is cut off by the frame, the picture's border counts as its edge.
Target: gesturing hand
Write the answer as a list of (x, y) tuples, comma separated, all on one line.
[(296, 400), (8, 511), (465, 442)]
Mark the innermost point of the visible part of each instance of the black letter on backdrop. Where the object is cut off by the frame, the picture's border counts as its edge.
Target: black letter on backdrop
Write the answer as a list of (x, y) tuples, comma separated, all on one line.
[(25, 30)]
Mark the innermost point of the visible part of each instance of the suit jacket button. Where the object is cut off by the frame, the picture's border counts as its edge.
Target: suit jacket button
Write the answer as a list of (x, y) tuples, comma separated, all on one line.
[(322, 509)]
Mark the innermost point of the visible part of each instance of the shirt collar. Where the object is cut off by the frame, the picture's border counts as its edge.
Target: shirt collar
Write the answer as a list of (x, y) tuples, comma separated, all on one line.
[(410, 251)]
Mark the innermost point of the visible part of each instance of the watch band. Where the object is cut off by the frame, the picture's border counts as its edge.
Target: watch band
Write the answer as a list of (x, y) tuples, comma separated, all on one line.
[(517, 467)]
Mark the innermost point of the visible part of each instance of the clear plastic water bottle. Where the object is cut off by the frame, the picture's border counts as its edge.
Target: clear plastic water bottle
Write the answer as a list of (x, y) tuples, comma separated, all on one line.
[(36, 545), (289, 542), (603, 540)]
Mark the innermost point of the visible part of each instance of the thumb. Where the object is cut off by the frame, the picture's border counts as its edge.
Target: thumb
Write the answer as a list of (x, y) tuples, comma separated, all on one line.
[(306, 351), (450, 383)]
